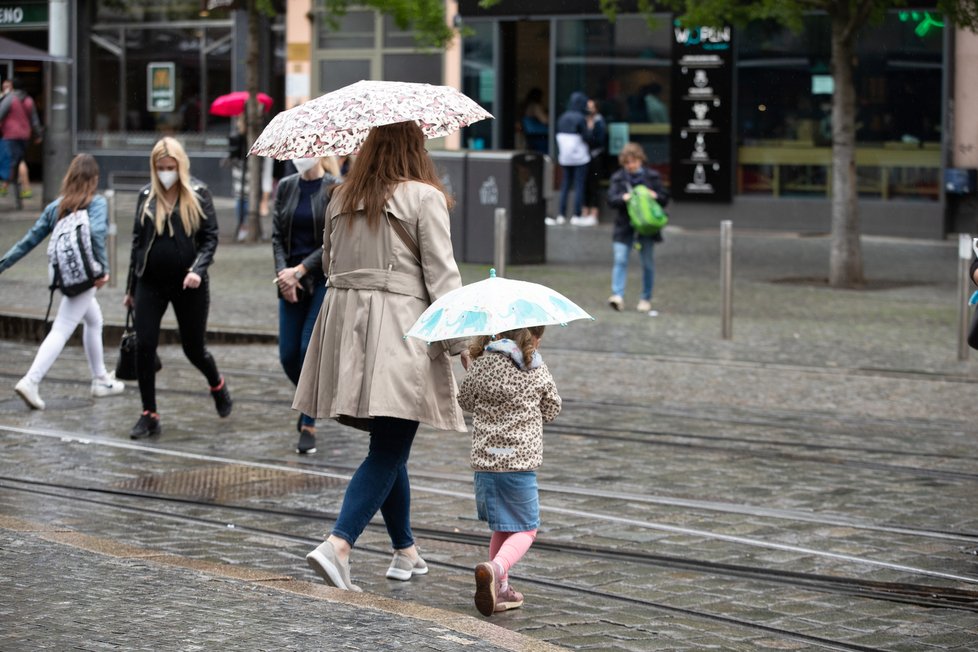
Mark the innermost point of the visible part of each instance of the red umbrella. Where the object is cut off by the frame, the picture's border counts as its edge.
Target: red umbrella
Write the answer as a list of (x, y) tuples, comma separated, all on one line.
[(233, 104)]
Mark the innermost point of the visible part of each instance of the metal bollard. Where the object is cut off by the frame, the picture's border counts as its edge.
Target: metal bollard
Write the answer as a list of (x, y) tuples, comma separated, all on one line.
[(726, 278), (112, 243), (502, 227), (964, 316)]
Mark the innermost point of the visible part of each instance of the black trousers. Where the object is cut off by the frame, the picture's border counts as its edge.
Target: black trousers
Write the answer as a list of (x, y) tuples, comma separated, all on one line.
[(190, 307)]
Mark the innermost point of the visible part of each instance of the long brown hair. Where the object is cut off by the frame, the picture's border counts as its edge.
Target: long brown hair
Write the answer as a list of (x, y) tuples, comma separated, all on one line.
[(525, 338), (79, 185), (391, 154), (190, 211)]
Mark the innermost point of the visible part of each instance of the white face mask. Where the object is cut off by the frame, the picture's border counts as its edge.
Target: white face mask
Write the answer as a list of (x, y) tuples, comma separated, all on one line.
[(303, 165), (167, 178)]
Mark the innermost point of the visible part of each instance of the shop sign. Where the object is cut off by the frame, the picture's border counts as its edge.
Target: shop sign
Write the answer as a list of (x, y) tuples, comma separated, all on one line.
[(701, 110), (161, 86), (25, 14), (618, 135)]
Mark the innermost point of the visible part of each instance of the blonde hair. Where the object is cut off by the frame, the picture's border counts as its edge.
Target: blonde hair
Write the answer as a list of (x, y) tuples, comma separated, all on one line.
[(631, 151), (190, 211), (525, 338)]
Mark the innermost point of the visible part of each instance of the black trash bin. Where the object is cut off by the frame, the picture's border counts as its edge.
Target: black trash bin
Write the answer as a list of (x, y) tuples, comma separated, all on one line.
[(451, 171), (512, 180)]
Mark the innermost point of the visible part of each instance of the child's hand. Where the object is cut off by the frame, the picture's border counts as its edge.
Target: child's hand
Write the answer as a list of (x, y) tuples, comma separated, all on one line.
[(466, 360), (626, 196)]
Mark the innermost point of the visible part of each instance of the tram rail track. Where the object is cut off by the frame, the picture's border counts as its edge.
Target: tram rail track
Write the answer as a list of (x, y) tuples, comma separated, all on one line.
[(610, 519), (918, 595)]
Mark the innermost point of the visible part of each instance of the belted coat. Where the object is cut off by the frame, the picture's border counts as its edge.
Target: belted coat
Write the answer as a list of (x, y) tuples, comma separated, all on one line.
[(359, 365)]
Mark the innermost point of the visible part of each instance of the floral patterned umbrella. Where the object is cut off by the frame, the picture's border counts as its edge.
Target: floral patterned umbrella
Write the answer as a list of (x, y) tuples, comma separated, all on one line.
[(494, 305), (337, 123)]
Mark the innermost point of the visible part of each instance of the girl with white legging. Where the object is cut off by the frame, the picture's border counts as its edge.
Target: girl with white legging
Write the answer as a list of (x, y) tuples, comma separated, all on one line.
[(77, 191)]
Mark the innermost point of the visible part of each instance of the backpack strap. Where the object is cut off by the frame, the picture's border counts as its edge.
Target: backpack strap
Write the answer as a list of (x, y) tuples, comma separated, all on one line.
[(47, 324)]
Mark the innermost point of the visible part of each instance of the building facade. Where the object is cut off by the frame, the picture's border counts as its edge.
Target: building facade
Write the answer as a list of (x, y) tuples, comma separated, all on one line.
[(142, 69), (765, 148), (759, 154)]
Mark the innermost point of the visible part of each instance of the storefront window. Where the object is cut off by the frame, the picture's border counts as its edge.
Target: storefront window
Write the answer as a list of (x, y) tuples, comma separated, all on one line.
[(120, 91), (784, 109), (152, 68), (625, 67), (368, 45), (146, 11), (355, 30), (479, 82)]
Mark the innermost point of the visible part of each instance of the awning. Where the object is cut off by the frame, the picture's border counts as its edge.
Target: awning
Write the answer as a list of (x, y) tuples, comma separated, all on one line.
[(16, 51)]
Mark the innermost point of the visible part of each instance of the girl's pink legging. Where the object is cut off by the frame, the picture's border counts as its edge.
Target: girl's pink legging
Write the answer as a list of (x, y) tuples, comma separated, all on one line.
[(507, 548)]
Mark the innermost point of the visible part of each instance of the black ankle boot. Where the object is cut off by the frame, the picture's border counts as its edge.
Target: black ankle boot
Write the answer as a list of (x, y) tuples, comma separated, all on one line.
[(222, 399)]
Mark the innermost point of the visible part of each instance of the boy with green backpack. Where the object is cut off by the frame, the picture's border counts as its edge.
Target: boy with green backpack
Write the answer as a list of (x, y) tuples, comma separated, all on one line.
[(636, 192)]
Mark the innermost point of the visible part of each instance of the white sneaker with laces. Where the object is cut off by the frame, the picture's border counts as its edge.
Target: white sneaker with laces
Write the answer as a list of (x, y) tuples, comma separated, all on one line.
[(27, 390), (644, 306), (587, 220), (616, 302), (108, 386), (549, 221)]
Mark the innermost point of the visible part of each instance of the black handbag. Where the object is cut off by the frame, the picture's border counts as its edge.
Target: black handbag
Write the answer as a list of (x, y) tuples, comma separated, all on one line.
[(125, 369)]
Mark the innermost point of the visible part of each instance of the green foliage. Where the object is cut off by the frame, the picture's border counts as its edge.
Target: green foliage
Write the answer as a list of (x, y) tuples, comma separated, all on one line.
[(266, 7), (962, 13)]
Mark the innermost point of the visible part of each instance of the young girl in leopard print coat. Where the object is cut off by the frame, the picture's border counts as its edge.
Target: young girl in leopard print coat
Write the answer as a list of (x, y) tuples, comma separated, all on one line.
[(511, 394)]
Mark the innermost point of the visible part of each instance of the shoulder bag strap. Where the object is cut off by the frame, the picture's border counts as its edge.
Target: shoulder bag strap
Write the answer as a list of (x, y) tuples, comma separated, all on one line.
[(405, 237)]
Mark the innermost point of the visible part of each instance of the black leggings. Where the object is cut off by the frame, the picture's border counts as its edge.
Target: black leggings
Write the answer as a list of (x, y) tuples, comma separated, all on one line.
[(190, 307)]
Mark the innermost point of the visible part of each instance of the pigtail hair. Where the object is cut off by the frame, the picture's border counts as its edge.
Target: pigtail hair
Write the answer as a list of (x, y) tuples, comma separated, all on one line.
[(524, 338), (477, 346)]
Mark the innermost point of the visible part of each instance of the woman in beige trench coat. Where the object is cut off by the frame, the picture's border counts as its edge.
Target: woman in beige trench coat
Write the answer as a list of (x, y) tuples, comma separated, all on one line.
[(388, 254)]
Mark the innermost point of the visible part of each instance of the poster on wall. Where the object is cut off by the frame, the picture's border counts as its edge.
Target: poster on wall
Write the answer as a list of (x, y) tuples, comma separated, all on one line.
[(702, 106), (161, 93)]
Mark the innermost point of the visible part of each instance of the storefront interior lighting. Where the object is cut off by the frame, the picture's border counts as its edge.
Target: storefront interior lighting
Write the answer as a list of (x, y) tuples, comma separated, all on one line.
[(923, 19)]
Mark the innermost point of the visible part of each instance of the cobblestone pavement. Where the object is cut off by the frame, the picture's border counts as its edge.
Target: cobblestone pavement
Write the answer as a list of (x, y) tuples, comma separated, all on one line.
[(806, 485)]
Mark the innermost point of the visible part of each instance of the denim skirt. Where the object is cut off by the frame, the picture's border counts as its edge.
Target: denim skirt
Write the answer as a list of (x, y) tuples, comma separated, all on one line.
[(509, 500)]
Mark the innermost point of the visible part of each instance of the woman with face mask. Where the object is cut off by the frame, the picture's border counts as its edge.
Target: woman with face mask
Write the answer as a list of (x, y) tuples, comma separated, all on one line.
[(298, 219), (173, 241)]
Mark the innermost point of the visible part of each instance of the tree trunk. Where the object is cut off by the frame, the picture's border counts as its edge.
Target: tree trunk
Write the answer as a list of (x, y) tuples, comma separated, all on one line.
[(846, 259), (253, 163)]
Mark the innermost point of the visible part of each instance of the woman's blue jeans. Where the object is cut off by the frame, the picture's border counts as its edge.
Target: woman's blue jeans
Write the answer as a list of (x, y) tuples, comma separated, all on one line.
[(576, 174), (381, 482), (619, 270), (295, 324)]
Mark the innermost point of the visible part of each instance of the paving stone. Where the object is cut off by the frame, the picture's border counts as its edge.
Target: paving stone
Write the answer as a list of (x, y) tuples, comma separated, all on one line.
[(831, 404)]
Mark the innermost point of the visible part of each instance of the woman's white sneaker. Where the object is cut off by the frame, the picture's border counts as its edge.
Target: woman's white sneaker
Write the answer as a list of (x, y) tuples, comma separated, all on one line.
[(27, 390), (404, 568), (107, 387)]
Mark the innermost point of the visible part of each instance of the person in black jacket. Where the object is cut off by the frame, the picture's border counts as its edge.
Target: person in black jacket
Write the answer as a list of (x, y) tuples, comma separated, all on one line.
[(633, 172), (596, 137), (573, 154), (174, 237), (298, 220)]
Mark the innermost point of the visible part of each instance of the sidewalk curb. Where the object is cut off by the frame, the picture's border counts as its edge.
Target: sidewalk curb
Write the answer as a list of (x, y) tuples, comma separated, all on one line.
[(29, 328), (456, 622)]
